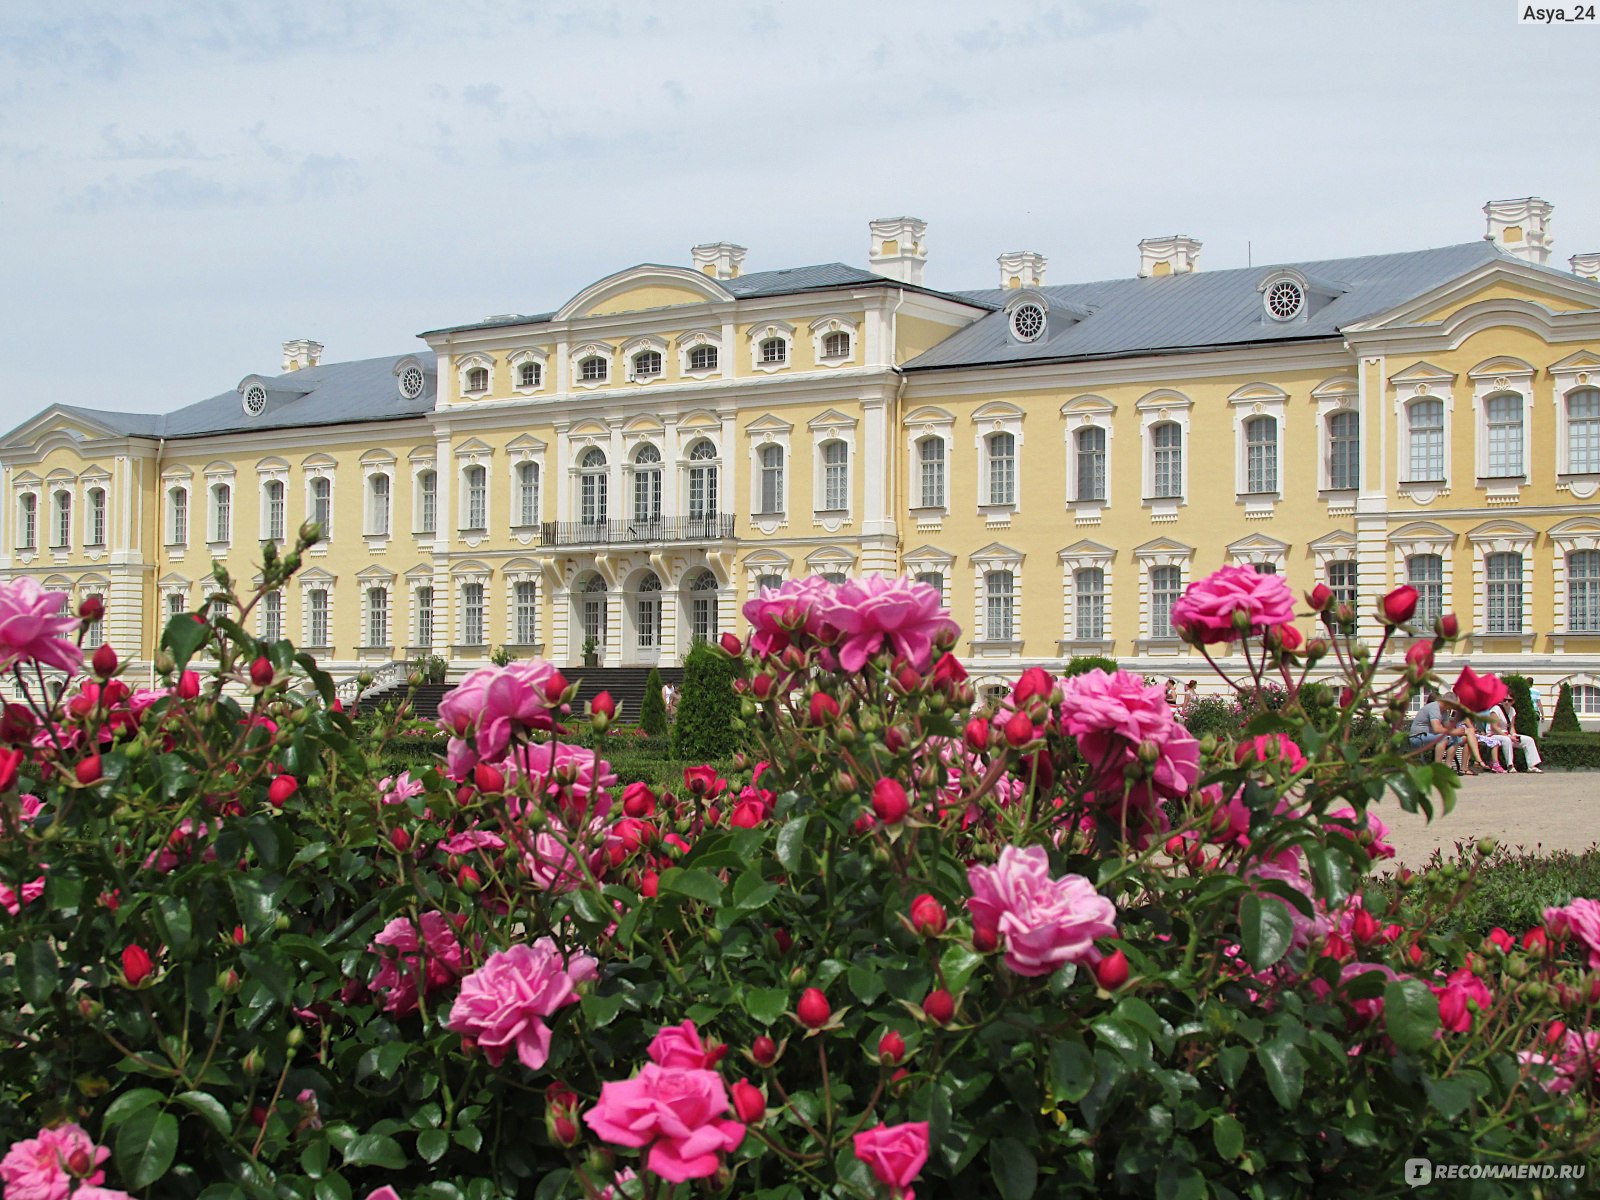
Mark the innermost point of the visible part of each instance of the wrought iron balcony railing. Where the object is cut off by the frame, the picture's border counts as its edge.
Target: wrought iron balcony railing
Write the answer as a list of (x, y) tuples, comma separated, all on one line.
[(623, 533)]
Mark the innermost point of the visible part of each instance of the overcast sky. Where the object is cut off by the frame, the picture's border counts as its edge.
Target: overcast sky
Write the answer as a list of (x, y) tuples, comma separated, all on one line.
[(184, 186)]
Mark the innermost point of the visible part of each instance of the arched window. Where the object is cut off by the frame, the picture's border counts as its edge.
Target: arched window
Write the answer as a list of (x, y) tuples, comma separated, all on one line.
[(1091, 443), (322, 504), (528, 375), (999, 591), (703, 358), (647, 612), (1261, 454), (1166, 585), (775, 350), (476, 513), (647, 364), (1503, 579), (221, 512), (378, 505), (477, 379), (1503, 428), (836, 345), (273, 503), (592, 369), (1425, 432), (1002, 452), (1583, 431), (272, 616), (592, 486), (428, 502), (930, 467), (1344, 450), (472, 615), (178, 516), (61, 534), (646, 485), (527, 493), (317, 617), (1166, 445), (1425, 572), (525, 603), (835, 476), (1089, 604), (1583, 591), (703, 606), (28, 521), (95, 535), (702, 481), (771, 480)]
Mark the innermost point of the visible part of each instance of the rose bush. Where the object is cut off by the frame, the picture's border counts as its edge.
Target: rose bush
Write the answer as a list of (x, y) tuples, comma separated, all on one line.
[(1059, 948)]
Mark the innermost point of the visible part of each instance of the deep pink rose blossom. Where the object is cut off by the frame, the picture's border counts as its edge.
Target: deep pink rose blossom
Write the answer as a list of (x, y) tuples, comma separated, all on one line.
[(895, 1154), (493, 703), (868, 611), (99, 1193), (431, 961), (1581, 918), (678, 1113), (1046, 922), (680, 1046), (1207, 607), (35, 627), (36, 1168), (504, 1002), (786, 614), (1112, 716)]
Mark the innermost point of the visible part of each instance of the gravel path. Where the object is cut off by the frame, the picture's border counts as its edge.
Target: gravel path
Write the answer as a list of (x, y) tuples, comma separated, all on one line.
[(1559, 810)]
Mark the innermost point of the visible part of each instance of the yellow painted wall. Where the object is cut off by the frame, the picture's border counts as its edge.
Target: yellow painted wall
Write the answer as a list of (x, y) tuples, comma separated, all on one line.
[(637, 299), (1504, 289)]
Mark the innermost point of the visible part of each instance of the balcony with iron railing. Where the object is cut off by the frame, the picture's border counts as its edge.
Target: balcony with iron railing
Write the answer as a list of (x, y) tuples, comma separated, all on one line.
[(714, 527)]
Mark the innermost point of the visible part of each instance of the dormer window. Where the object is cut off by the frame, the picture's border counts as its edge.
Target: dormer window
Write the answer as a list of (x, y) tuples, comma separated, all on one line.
[(774, 350), (703, 358), (647, 364), (411, 383), (528, 375), (255, 400), (1285, 300), (592, 369), (477, 379), (1027, 322)]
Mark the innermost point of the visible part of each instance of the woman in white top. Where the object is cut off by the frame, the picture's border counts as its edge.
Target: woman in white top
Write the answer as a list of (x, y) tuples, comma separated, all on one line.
[(1505, 740)]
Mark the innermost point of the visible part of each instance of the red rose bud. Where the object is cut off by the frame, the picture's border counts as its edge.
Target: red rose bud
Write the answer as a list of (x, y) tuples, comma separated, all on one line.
[(939, 1007), (1399, 604), (977, 735), (400, 840), (604, 705), (135, 965), (984, 939), (824, 708), (555, 687), (1535, 941), (10, 760), (468, 880), (1479, 693), (1501, 940), (1414, 953), (764, 1050), (748, 1102), (1288, 636), (649, 885), (813, 1009), (731, 645), (889, 801), (891, 1049), (104, 661), (1019, 729), (1035, 681), (1319, 597), (1347, 697), (1364, 927), (562, 1130), (261, 672), (928, 916), (92, 608), (763, 686), (281, 788), (488, 778), (1555, 1033), (1448, 627), (240, 937), (1111, 972), (88, 770), (188, 685), (1419, 657)]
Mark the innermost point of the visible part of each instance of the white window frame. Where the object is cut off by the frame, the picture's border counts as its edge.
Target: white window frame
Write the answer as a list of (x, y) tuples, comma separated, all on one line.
[(1162, 552), (579, 354), (469, 363), (1578, 372), (219, 510), (633, 348), (28, 539), (515, 581), (467, 512), (378, 518), (525, 358), (1492, 379), (522, 516), (1501, 537), (96, 513), (997, 416), (923, 425), (1079, 414), (832, 426), (1163, 407), (271, 607), (766, 331), (176, 508), (825, 327), (777, 505), (1249, 402), (990, 559), (698, 339), (1422, 381), (602, 476), (1567, 538), (1085, 556), (313, 475), (424, 638), (463, 584), (717, 478), (642, 478), (308, 588), (422, 501), (835, 468), (61, 514), (265, 482)]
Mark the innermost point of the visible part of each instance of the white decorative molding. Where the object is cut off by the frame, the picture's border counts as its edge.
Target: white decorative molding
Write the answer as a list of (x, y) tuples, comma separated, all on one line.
[(1160, 407), (769, 430), (1249, 402), (832, 426), (465, 364), (585, 350), (529, 356), (766, 331), (1422, 381), (831, 324), (1085, 556), (1496, 377)]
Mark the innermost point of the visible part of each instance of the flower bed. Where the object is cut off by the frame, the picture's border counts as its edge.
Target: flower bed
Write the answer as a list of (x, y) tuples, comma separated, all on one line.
[(1063, 949)]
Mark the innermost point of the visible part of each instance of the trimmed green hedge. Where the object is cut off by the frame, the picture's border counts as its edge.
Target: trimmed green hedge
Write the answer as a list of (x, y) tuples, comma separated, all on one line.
[(653, 709), (1521, 688), (1571, 751), (1566, 717), (708, 726), (1514, 888)]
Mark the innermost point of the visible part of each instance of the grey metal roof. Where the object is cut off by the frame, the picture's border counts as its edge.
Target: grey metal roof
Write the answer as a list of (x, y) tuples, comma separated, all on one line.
[(1201, 309), (125, 423)]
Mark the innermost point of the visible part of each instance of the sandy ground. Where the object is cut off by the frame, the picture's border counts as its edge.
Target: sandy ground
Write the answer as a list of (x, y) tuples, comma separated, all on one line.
[(1559, 810)]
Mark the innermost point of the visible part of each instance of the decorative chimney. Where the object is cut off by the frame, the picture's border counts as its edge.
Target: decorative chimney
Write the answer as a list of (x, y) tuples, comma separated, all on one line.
[(898, 249), (1022, 269), (1521, 228), (301, 353), (1586, 265), (720, 260), (1175, 255)]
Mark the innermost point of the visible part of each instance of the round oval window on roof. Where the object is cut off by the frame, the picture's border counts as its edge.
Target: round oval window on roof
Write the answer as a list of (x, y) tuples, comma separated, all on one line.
[(1285, 300), (411, 383), (1027, 322), (255, 400)]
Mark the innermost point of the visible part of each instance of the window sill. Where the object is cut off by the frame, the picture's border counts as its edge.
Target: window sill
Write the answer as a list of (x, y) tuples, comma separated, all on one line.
[(311, 648), (1160, 645), (996, 647), (1101, 646)]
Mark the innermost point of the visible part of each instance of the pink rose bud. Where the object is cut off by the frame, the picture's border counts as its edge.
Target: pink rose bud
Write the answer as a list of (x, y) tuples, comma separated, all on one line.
[(400, 839), (80, 1162), (1319, 597), (603, 705), (555, 687), (1019, 729), (281, 788), (104, 661), (939, 1007), (1399, 604), (731, 644), (928, 916), (1479, 693), (1419, 657), (977, 734), (240, 937), (824, 708), (891, 1049), (1364, 927), (93, 608), (135, 965), (748, 1101), (1448, 627), (763, 686), (188, 685), (88, 770), (813, 1009), (261, 672), (1501, 940), (889, 801), (488, 778), (1112, 971), (764, 1050)]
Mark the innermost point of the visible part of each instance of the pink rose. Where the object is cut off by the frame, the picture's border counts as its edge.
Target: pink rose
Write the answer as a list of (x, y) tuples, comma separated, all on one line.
[(867, 611), (502, 1004), (680, 1046), (498, 702), (1575, 1060), (424, 963), (1271, 748), (1206, 610), (1046, 922), (1459, 996), (678, 1113), (1581, 918), (1113, 716), (384, 1193), (1368, 829), (1479, 693), (782, 615), (100, 1193), (896, 1154), (36, 1168), (1305, 929), (35, 626), (12, 902)]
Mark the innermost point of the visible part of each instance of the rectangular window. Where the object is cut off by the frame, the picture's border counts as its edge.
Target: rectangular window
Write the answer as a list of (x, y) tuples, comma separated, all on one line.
[(275, 516), (317, 617), (647, 621), (771, 479), (1000, 606), (97, 517), (1503, 421), (272, 616), (1342, 583), (1091, 463), (428, 489), (322, 504), (377, 616), (1583, 431), (1166, 442), (1425, 572), (1425, 426), (63, 529), (1504, 599), (221, 513), (380, 506), (1586, 699), (425, 617), (477, 480), (1089, 604), (178, 504), (703, 617), (702, 493), (1583, 591), (527, 493), (646, 495), (472, 615), (1261, 455), (835, 477), (930, 461), (28, 523), (174, 604), (1166, 585), (527, 614), (1344, 451), (1002, 469)]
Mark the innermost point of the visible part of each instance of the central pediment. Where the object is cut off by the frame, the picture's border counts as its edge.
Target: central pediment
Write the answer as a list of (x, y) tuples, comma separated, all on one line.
[(640, 288)]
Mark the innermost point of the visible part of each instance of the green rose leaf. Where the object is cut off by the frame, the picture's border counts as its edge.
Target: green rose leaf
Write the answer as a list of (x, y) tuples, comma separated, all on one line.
[(1266, 927), (183, 636), (1285, 1068), (766, 1004), (209, 1107), (1179, 1181), (374, 1150), (1228, 1136), (432, 1143), (697, 885), (1015, 1171), (125, 1105), (1410, 1013), (1449, 1096), (36, 972), (146, 1145), (1071, 1069), (792, 843)]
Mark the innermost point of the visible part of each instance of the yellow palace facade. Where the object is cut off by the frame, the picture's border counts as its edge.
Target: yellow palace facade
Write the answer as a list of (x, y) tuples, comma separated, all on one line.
[(618, 475)]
